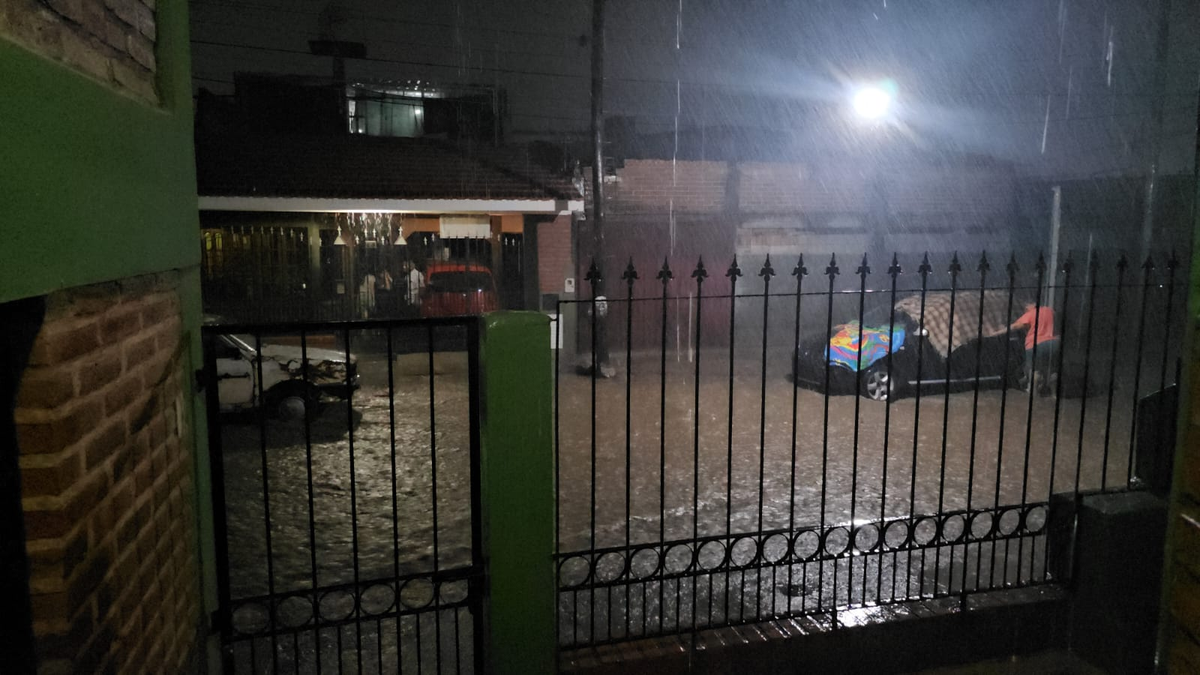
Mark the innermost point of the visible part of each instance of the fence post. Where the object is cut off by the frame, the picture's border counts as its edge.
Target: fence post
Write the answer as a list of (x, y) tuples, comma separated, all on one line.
[(517, 474)]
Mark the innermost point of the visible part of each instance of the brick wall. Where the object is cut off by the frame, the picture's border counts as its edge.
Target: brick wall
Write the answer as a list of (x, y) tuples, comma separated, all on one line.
[(1183, 633), (111, 40), (554, 254), (647, 185), (752, 188), (775, 188), (106, 466)]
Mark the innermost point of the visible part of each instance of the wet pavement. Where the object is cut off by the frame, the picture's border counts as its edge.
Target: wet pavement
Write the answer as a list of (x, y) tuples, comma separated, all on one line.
[(712, 469), (839, 451), (376, 522), (369, 526)]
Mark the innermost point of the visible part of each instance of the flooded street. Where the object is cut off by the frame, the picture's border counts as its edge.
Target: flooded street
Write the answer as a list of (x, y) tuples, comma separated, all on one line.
[(839, 467), (728, 471), (374, 521)]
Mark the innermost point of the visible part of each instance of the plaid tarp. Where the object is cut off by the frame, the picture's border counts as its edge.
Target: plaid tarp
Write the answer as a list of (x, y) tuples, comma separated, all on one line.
[(966, 316)]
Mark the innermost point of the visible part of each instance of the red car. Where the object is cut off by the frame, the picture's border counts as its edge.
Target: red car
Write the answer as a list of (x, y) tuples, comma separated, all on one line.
[(458, 289)]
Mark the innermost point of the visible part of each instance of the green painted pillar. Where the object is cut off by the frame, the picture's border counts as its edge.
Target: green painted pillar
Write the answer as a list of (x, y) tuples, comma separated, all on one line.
[(517, 476)]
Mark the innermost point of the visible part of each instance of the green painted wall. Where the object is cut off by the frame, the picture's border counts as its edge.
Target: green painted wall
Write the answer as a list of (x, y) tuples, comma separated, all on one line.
[(517, 472), (95, 185)]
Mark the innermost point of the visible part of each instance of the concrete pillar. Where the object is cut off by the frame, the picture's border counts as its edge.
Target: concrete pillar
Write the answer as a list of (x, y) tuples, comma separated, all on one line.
[(517, 480), (529, 261)]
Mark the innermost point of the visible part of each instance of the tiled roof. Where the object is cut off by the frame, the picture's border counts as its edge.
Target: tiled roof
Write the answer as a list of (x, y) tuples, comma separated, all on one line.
[(362, 167)]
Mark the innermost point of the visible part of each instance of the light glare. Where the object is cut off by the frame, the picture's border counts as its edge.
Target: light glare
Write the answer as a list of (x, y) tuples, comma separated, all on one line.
[(872, 103)]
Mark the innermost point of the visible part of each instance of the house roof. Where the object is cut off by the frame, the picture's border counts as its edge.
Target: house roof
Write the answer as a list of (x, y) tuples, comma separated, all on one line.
[(362, 167)]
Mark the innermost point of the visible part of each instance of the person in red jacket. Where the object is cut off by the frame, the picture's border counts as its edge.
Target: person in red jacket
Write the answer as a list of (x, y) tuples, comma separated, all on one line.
[(1040, 342)]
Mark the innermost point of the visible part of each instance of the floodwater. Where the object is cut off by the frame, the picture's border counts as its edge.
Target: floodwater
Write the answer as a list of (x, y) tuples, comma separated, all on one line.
[(369, 526), (712, 470), (755, 471)]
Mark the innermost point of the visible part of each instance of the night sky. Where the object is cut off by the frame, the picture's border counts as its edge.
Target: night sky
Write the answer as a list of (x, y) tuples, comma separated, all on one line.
[(991, 78)]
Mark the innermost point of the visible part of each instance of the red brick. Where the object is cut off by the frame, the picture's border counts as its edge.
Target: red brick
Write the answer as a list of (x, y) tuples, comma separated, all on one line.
[(124, 9), (122, 394), (75, 552), (81, 586), (141, 49), (46, 524), (144, 477), (49, 607), (122, 463), (159, 310), (95, 21), (127, 533), (93, 655), (65, 643), (1184, 653), (121, 325), (71, 9), (146, 411), (139, 349), (47, 437), (46, 387), (135, 78), (51, 480), (161, 491), (146, 20), (1187, 541), (94, 490), (100, 371), (55, 346), (1185, 600), (105, 444)]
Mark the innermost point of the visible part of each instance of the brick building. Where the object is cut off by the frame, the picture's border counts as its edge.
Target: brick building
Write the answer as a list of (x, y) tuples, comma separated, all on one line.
[(684, 210), (907, 203), (102, 524)]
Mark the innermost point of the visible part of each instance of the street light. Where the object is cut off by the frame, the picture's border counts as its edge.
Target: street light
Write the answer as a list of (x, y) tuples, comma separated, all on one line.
[(872, 103)]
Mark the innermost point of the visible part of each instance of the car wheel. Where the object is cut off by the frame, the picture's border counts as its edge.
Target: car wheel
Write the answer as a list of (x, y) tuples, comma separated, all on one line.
[(293, 404), (878, 385)]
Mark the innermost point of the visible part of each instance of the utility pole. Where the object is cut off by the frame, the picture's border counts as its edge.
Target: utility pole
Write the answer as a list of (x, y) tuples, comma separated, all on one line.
[(601, 321)]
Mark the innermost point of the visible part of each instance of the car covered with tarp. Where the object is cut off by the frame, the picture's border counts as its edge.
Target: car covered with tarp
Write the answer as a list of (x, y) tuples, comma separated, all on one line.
[(936, 339)]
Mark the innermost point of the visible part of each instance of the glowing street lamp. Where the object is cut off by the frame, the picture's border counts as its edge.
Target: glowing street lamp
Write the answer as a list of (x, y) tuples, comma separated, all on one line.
[(873, 102)]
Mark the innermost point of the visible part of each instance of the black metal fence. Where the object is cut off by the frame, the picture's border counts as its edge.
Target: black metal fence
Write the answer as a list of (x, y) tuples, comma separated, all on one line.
[(828, 441), (346, 491)]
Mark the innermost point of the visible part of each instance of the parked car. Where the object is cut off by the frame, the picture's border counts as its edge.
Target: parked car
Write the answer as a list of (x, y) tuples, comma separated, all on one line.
[(288, 389), (888, 366), (458, 289)]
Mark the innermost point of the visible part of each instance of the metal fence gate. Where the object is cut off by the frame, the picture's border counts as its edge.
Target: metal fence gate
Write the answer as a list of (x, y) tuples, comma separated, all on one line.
[(346, 488), (816, 442)]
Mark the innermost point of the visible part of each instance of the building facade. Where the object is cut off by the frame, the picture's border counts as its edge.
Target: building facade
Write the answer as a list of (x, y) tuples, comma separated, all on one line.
[(104, 492)]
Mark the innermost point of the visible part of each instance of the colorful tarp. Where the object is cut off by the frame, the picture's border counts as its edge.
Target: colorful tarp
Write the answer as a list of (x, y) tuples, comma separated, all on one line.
[(844, 345)]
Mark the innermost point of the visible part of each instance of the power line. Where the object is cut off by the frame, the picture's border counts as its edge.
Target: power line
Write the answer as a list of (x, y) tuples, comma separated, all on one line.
[(1070, 56), (375, 59), (389, 19), (484, 51), (963, 95)]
